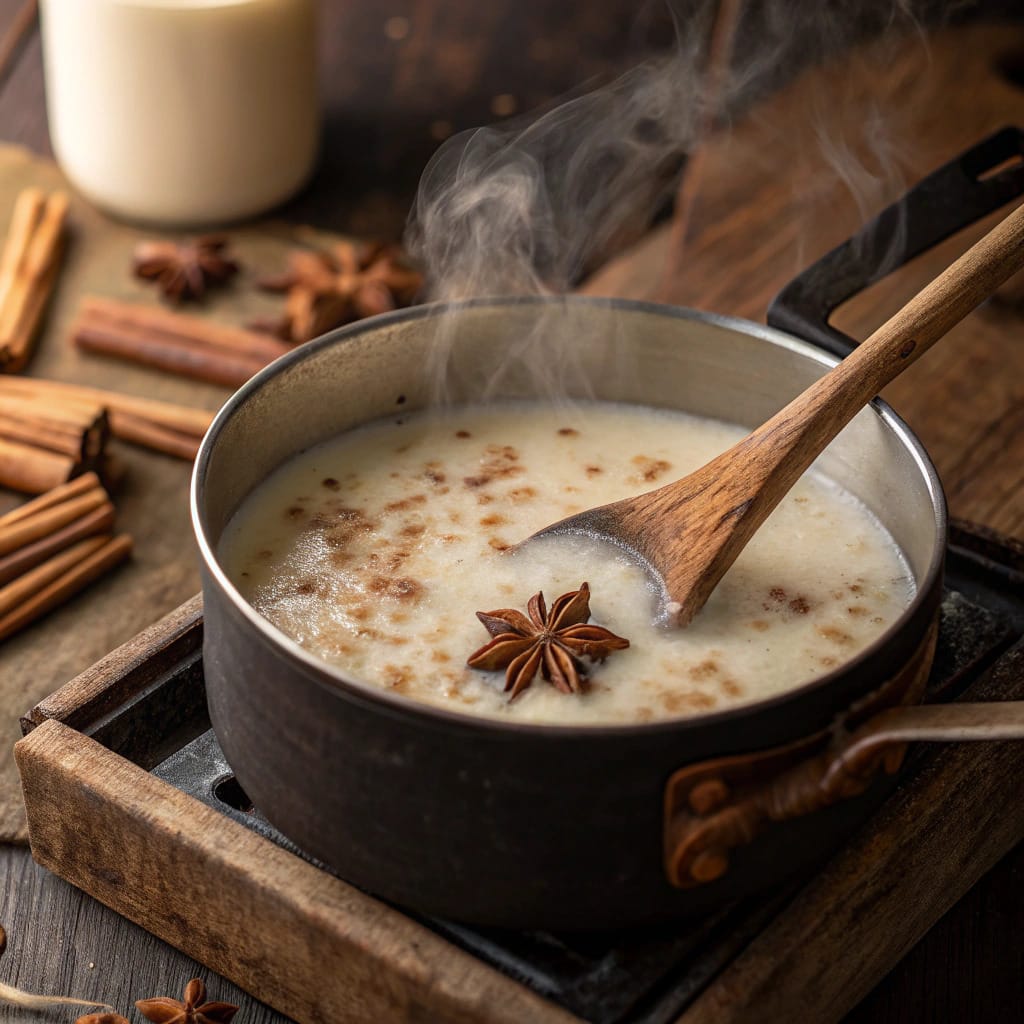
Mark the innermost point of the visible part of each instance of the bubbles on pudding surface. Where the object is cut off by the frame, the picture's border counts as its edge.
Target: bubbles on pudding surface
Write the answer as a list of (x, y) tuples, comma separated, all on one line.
[(375, 551)]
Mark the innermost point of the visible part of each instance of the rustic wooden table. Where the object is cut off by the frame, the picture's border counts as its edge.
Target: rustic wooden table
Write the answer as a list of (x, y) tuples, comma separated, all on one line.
[(395, 81)]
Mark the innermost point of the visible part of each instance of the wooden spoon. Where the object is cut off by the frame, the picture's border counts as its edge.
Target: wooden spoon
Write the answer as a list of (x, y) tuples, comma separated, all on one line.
[(689, 532)]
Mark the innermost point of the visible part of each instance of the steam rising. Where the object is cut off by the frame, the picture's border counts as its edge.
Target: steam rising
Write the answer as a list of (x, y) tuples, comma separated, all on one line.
[(523, 209), (527, 207)]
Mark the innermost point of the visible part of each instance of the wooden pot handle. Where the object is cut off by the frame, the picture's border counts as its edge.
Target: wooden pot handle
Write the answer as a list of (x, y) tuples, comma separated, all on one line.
[(714, 806)]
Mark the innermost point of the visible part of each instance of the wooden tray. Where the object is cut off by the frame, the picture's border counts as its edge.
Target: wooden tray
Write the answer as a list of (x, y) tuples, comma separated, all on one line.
[(195, 865)]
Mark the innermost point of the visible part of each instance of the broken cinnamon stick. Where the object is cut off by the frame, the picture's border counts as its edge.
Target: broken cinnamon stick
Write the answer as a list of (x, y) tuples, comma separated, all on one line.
[(32, 470), (95, 563), (77, 430), (84, 442), (182, 418), (36, 245)]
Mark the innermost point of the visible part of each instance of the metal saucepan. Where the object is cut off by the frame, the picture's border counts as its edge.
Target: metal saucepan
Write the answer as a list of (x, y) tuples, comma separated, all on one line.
[(567, 827)]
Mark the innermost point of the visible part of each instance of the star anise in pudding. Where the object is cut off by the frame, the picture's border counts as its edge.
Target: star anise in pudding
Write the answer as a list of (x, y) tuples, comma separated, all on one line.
[(194, 1009), (185, 270), (326, 289), (551, 642)]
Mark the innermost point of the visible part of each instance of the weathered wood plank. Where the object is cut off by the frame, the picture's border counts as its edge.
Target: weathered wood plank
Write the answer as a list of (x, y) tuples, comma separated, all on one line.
[(60, 942), (125, 671), (144, 839)]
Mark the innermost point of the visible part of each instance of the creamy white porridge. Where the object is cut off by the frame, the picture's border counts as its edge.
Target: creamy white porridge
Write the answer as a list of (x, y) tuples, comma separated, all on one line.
[(376, 549)]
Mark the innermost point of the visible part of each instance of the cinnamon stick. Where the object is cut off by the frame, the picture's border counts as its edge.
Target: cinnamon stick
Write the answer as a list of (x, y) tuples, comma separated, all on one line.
[(41, 523), (41, 434), (96, 562), (181, 356), (81, 431), (99, 520), (180, 344), (23, 304), (157, 322), (152, 435), (26, 468), (80, 485), (28, 209), (182, 418), (25, 586)]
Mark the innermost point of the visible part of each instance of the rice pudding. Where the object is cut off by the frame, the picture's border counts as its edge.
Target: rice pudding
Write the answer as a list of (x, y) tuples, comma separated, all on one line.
[(375, 550)]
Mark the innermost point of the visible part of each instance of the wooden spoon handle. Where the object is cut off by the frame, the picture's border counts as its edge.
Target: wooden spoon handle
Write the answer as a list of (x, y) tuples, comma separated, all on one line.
[(692, 530), (780, 450), (810, 421)]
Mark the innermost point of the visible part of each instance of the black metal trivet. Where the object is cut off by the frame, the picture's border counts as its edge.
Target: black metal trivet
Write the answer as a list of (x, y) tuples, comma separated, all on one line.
[(647, 977)]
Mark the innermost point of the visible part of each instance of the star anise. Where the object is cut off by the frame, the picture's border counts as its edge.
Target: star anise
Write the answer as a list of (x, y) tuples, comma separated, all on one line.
[(192, 1010), (102, 1018), (185, 270), (328, 289), (552, 642)]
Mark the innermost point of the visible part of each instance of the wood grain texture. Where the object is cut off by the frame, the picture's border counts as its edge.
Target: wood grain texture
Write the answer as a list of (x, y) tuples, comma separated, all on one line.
[(61, 943), (81, 795), (134, 666)]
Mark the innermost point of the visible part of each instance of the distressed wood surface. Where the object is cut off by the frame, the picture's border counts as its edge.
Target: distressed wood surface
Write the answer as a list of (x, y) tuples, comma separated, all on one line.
[(968, 967), (63, 943)]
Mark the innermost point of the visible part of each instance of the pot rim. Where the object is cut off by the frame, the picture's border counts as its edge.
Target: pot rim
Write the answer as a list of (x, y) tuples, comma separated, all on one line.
[(330, 678)]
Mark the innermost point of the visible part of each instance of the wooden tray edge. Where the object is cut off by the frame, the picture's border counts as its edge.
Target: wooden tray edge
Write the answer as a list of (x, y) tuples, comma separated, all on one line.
[(125, 672), (133, 842)]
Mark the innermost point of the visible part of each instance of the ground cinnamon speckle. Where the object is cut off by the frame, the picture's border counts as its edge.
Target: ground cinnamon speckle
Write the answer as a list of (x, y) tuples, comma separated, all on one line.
[(403, 588), (650, 469), (835, 634)]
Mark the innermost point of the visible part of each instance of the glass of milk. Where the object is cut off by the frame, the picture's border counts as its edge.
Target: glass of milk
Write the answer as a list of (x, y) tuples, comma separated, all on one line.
[(182, 112)]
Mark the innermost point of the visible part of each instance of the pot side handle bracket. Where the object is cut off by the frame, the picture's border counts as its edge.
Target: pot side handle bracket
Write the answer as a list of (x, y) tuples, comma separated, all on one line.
[(714, 806), (978, 182)]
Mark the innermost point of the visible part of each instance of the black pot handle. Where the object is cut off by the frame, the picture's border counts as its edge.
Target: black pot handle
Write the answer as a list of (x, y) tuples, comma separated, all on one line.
[(953, 197)]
